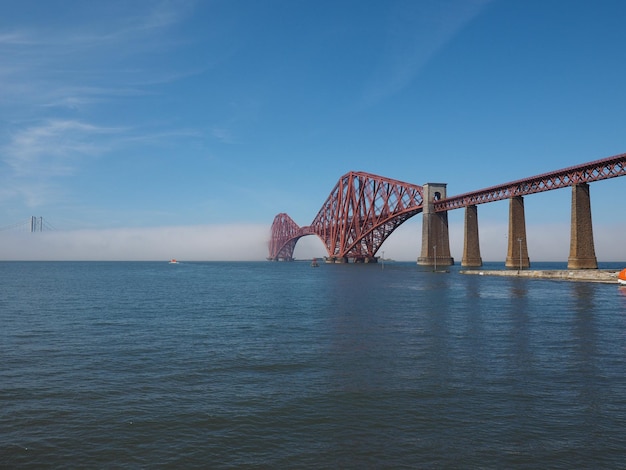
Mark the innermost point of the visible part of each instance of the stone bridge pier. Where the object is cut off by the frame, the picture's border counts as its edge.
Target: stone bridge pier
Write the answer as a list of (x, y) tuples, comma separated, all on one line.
[(436, 242), (582, 254), (517, 250), (471, 245)]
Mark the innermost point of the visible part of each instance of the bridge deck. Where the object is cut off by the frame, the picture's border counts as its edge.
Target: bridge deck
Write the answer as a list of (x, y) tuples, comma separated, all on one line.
[(593, 171)]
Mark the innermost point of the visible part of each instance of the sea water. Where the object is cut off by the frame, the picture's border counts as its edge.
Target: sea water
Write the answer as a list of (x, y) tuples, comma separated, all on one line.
[(281, 365)]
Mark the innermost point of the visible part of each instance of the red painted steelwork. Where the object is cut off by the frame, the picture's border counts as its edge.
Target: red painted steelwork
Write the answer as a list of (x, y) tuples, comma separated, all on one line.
[(364, 209), (593, 171), (285, 235), (360, 213)]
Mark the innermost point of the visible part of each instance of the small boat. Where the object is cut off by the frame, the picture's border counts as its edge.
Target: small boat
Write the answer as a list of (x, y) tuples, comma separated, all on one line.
[(314, 263), (173, 261), (621, 277)]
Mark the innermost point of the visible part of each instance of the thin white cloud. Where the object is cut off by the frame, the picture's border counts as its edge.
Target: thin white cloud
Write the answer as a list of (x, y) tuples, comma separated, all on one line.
[(77, 97), (59, 71), (416, 32), (50, 70), (15, 38), (223, 135), (167, 13), (47, 66), (37, 158), (52, 148), (97, 29)]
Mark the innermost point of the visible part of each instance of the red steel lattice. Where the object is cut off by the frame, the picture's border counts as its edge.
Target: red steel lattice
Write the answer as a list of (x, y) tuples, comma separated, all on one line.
[(363, 209), (360, 213), (586, 173), (285, 235)]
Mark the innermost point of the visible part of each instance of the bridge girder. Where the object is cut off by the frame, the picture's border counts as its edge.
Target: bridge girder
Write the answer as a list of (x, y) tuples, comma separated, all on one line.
[(597, 170)]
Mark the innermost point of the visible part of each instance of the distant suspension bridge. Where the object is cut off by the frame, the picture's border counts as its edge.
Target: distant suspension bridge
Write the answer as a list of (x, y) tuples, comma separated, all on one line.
[(31, 224)]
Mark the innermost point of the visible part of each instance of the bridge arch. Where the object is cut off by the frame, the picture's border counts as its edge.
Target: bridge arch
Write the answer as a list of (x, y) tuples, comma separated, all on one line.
[(285, 233), (360, 213)]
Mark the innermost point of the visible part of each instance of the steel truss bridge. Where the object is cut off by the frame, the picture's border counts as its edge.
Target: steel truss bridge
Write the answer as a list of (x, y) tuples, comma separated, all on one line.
[(363, 209)]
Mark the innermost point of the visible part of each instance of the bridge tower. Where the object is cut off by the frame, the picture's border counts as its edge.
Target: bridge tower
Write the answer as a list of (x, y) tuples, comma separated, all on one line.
[(36, 224), (435, 237), (582, 254)]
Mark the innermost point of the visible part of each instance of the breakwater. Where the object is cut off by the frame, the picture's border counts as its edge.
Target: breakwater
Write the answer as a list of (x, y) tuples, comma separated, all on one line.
[(607, 276)]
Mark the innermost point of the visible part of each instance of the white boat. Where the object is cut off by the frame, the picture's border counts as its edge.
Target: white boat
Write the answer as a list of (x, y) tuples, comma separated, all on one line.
[(621, 277), (314, 263), (173, 261)]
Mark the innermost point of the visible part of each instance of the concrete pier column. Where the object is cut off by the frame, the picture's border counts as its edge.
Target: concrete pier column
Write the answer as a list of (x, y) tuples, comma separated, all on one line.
[(517, 252), (582, 254), (435, 238), (471, 246)]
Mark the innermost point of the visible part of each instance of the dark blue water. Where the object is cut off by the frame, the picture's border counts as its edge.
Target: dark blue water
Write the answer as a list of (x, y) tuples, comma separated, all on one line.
[(279, 365)]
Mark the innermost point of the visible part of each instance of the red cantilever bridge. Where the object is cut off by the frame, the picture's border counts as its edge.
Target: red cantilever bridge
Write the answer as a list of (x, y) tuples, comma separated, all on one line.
[(363, 209)]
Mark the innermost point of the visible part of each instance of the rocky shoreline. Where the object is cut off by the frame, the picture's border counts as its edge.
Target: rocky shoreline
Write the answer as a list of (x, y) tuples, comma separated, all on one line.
[(607, 276)]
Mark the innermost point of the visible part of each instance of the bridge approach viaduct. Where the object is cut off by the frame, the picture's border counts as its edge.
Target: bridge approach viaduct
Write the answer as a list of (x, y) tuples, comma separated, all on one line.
[(363, 209)]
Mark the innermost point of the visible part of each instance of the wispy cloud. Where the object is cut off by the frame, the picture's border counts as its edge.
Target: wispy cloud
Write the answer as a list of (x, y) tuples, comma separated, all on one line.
[(416, 32), (75, 97), (90, 60), (167, 13), (55, 82), (15, 39), (137, 29), (52, 148), (97, 27), (222, 134)]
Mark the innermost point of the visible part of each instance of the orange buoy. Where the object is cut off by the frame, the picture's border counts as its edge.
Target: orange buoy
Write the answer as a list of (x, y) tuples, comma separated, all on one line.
[(621, 277)]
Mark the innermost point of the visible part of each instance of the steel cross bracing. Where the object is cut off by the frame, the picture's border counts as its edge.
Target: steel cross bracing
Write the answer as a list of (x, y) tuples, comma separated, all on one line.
[(585, 173), (360, 213), (285, 235)]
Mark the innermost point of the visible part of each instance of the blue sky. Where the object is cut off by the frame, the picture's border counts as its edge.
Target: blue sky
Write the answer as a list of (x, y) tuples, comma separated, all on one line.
[(158, 129)]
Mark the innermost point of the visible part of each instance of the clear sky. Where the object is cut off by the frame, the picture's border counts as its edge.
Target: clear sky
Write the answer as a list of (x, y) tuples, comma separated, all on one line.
[(159, 129)]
